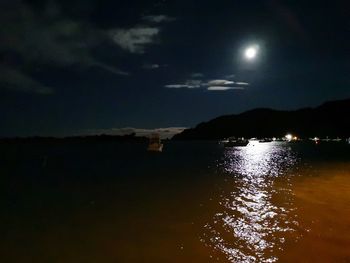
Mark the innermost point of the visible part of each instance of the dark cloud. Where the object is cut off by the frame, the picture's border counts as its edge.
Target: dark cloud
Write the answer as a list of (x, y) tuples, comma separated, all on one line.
[(12, 79), (288, 17), (197, 75), (46, 37), (152, 66), (158, 18)]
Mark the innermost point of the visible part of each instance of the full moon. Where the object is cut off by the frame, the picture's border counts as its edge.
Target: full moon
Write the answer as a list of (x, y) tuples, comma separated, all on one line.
[(250, 52)]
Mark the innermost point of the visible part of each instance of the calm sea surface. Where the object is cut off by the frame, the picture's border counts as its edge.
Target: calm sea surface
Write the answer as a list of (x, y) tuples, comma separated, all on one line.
[(195, 202)]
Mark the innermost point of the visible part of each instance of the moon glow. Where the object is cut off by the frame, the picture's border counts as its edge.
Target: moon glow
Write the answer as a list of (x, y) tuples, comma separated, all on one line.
[(251, 52)]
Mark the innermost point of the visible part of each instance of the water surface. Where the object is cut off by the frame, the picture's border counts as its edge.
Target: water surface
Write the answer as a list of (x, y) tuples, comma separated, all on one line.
[(195, 202)]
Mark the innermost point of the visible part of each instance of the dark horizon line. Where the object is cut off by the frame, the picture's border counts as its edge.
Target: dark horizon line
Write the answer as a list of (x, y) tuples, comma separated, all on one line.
[(130, 136), (111, 135)]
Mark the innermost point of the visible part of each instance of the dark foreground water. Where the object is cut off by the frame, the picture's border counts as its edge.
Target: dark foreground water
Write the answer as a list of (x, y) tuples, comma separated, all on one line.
[(195, 202)]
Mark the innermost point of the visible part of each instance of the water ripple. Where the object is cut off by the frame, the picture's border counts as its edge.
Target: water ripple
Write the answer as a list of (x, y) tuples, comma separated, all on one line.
[(250, 227)]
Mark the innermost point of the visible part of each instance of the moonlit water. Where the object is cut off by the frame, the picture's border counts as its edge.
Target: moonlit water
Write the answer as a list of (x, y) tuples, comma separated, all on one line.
[(249, 226), (195, 202)]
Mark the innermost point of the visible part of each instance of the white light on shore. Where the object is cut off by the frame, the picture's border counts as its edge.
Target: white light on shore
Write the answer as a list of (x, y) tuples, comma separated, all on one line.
[(289, 137)]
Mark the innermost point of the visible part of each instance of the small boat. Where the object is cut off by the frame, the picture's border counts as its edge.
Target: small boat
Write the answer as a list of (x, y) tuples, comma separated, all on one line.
[(232, 142), (315, 139), (155, 144)]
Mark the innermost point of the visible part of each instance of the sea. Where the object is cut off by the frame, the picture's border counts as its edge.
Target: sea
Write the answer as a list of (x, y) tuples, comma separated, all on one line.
[(111, 202)]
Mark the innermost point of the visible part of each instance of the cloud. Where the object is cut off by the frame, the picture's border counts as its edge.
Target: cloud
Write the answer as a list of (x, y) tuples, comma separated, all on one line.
[(230, 77), (242, 83), (112, 69), (194, 83), (176, 86), (288, 17), (135, 39), (151, 66), (41, 39), (179, 86), (219, 82), (163, 132), (46, 37), (197, 75), (158, 18), (189, 84), (216, 84), (13, 79), (223, 88)]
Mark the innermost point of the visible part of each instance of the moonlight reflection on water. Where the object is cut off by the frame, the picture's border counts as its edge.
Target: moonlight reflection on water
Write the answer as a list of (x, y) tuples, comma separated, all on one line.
[(251, 227)]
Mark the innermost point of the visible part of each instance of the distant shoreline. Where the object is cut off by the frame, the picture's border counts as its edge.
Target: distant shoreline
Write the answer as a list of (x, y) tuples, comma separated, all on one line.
[(97, 138), (330, 119)]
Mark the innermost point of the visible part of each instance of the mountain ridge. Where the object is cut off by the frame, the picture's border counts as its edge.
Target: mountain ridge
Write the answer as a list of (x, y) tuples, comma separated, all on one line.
[(328, 119)]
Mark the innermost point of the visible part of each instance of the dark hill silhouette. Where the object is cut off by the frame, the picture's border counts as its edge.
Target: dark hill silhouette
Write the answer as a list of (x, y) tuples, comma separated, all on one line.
[(330, 119)]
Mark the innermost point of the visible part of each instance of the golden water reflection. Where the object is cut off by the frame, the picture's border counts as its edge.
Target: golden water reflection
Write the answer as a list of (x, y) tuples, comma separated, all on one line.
[(250, 227)]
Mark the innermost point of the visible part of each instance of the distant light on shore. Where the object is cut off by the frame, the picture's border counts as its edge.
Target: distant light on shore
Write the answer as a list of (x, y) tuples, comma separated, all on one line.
[(289, 137)]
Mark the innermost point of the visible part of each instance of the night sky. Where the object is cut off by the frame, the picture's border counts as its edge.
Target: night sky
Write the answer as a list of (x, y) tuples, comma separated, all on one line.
[(87, 66)]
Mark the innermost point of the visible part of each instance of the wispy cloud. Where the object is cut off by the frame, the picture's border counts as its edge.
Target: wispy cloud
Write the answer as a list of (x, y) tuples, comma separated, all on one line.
[(135, 39), (219, 82), (13, 79), (153, 66), (189, 84), (223, 88), (242, 83), (194, 83), (230, 77), (112, 69), (213, 84), (158, 18), (176, 86)]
